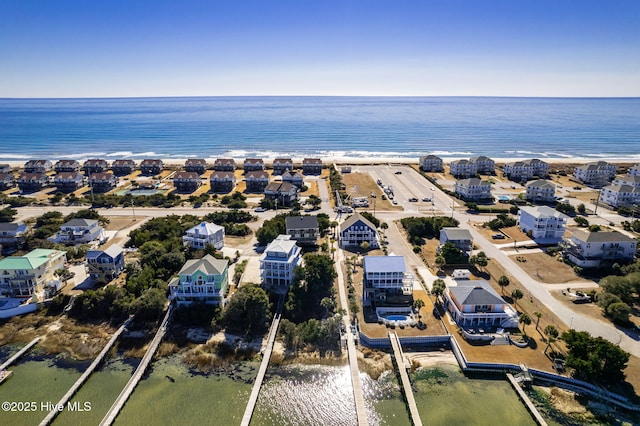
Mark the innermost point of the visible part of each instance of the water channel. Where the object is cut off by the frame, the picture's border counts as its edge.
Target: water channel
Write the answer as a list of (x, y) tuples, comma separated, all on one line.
[(292, 394)]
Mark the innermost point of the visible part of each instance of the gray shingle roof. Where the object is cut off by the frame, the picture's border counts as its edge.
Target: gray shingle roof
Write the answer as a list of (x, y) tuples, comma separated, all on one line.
[(476, 292), (353, 219), (302, 222), (208, 264)]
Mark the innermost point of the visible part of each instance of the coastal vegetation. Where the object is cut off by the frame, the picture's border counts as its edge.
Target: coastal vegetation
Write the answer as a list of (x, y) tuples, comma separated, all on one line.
[(248, 311), (594, 358), (501, 221), (419, 228)]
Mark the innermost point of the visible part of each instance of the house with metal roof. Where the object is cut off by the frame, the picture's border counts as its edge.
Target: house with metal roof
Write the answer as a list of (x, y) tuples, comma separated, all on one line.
[(387, 283), (356, 230), (461, 238), (303, 229), (277, 263), (105, 265), (474, 303), (204, 234), (22, 276), (594, 249), (203, 280)]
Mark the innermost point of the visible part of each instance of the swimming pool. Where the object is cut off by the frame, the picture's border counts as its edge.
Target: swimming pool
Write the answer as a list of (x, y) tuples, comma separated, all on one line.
[(503, 197), (397, 317)]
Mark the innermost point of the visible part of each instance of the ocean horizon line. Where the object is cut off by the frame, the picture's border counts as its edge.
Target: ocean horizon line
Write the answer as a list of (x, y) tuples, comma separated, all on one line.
[(321, 97)]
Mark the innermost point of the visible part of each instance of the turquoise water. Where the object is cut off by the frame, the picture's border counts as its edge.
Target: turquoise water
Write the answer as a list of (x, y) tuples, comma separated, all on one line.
[(319, 126)]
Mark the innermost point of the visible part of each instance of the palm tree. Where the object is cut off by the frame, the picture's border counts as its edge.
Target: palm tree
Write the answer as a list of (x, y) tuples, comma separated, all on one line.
[(516, 294), (503, 282), (538, 315), (440, 261), (525, 320), (552, 334), (417, 305)]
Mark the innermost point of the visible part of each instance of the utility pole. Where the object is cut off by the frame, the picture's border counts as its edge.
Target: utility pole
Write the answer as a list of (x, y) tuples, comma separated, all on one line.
[(134, 211)]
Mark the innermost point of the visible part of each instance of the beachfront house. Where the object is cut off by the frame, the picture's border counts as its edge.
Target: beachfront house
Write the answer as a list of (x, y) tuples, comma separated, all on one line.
[(522, 171), (303, 229), (474, 304), (22, 276), (5, 168), (473, 189), (38, 166), (541, 191), (542, 223), (7, 181), (281, 165), (123, 167), (186, 182), (204, 234), (294, 178), (67, 166), (224, 165), (634, 170), (203, 280), (595, 249), (277, 263), (222, 182), (196, 165), (253, 165), (431, 163), (69, 181), (596, 174), (463, 169), (386, 282), (151, 167), (312, 166), (32, 182), (356, 230), (484, 165), (283, 193), (461, 238), (95, 165), (631, 180), (104, 266), (79, 231), (102, 182), (12, 235), (256, 181)]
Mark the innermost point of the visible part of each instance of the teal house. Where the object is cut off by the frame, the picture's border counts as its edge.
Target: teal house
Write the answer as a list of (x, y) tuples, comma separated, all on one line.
[(203, 280)]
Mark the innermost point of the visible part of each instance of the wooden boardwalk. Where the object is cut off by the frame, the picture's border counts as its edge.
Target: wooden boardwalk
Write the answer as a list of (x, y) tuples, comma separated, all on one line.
[(356, 383), (21, 352), (72, 391), (523, 396), (406, 384), (137, 375)]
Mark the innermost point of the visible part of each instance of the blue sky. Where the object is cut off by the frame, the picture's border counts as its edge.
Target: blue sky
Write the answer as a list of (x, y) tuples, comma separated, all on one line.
[(94, 48)]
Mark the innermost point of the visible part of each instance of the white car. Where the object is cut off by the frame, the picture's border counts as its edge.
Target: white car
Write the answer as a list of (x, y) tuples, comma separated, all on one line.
[(260, 210)]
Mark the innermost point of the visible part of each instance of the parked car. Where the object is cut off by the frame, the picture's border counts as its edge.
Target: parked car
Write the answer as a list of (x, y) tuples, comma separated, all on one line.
[(398, 172), (260, 210), (498, 236), (426, 199), (413, 200), (394, 202)]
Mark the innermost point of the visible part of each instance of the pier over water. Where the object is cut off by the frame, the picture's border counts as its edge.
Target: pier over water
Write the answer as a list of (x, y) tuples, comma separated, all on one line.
[(113, 412), (406, 384)]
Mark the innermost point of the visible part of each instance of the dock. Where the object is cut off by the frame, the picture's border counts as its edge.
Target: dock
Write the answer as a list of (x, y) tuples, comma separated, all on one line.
[(113, 412), (356, 383), (406, 384), (266, 356), (20, 353), (523, 396), (72, 391)]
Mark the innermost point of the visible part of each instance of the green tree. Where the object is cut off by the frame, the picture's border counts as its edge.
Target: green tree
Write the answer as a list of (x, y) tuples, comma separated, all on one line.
[(503, 282), (552, 335), (595, 359), (581, 221), (619, 312), (620, 286), (417, 305), (8, 214), (437, 289), (248, 310), (452, 254), (538, 315), (525, 320), (440, 262), (516, 295), (581, 208)]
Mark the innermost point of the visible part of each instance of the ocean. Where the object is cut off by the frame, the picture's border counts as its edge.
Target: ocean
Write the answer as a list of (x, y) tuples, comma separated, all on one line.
[(327, 127)]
